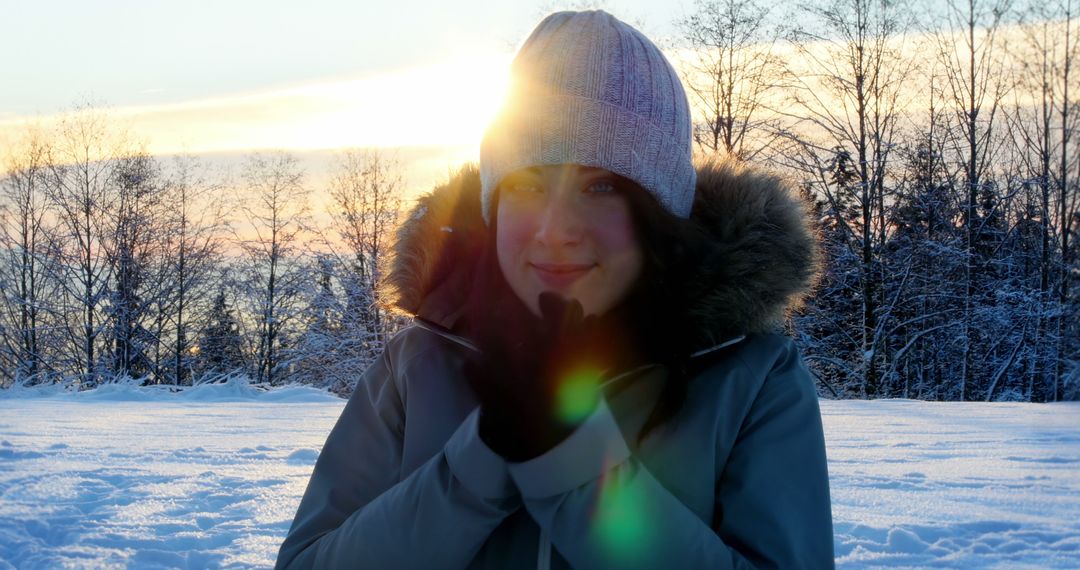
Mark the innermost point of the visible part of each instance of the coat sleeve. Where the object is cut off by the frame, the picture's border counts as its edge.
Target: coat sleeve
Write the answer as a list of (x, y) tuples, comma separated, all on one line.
[(603, 509), (356, 513)]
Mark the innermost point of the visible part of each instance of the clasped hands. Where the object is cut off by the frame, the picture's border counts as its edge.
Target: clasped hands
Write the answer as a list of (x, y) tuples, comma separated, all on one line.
[(537, 378)]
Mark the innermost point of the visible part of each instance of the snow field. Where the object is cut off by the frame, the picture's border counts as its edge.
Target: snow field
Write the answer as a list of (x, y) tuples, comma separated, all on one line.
[(100, 483), (954, 485), (128, 478)]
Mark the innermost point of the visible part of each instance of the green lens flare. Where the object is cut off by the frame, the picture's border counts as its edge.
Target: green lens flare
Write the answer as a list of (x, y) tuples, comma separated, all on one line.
[(621, 523), (577, 395)]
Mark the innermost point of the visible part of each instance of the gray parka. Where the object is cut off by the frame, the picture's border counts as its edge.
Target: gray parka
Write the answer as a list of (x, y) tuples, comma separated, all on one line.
[(737, 479)]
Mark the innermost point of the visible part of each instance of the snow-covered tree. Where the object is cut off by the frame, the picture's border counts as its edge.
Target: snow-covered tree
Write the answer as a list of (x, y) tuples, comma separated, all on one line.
[(24, 289), (219, 347), (346, 325), (81, 187), (132, 251), (191, 243), (274, 205)]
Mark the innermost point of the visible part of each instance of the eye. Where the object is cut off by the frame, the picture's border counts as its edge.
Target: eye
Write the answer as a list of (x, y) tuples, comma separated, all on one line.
[(601, 187), (523, 188), (520, 186)]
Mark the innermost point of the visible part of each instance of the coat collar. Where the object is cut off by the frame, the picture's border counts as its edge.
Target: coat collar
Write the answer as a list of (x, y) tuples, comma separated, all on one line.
[(762, 260)]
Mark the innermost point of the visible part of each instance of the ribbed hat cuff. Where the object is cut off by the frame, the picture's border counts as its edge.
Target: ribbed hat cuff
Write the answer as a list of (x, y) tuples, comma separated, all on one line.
[(564, 129)]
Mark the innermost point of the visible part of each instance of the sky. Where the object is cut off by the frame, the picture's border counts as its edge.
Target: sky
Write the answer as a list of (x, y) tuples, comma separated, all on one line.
[(233, 75), (224, 78)]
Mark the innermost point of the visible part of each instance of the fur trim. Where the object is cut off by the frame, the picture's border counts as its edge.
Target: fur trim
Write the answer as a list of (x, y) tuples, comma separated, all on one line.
[(762, 261), (765, 256)]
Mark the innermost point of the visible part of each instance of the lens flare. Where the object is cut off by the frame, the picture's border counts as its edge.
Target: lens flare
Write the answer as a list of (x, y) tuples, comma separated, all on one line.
[(577, 395), (620, 521)]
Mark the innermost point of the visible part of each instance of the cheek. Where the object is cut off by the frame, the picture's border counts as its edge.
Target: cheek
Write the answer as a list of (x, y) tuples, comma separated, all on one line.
[(618, 243), (511, 239), (623, 251), (614, 231)]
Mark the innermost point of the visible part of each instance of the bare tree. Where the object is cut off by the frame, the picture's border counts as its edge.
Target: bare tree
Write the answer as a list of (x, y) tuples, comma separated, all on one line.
[(1068, 188), (23, 287), (191, 242), (1068, 198), (731, 72), (81, 191), (346, 326), (1040, 123), (275, 208), (846, 96), (133, 251), (366, 189), (970, 55)]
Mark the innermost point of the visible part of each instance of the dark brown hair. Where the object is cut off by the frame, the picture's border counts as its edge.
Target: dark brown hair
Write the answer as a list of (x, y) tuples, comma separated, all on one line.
[(671, 247)]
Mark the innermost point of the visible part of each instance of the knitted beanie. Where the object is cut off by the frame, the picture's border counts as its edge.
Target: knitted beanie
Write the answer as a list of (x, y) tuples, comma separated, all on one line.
[(589, 89)]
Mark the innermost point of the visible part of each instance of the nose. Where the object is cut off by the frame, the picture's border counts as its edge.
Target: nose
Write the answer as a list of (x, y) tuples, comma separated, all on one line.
[(560, 222)]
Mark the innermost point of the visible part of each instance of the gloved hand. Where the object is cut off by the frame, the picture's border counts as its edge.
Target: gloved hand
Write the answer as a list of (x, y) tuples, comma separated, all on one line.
[(537, 378)]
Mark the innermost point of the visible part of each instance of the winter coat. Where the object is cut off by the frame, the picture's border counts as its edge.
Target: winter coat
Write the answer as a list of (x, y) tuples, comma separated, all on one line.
[(736, 479)]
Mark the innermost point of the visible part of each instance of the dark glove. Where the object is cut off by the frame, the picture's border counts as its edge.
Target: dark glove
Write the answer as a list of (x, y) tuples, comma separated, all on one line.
[(537, 378)]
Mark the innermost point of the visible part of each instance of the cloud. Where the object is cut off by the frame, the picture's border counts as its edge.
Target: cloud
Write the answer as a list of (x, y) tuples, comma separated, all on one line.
[(445, 104)]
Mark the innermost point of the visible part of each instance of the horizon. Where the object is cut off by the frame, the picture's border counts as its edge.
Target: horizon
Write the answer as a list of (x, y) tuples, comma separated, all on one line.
[(384, 89), (416, 78)]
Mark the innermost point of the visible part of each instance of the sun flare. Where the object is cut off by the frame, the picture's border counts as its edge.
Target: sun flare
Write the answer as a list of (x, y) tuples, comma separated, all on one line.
[(445, 104), (442, 104)]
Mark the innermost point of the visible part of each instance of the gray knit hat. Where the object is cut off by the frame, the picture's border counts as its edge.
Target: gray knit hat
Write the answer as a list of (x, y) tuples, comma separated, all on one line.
[(589, 89)]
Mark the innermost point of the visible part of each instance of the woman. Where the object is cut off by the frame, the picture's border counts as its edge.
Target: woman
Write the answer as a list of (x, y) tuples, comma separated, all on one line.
[(591, 380)]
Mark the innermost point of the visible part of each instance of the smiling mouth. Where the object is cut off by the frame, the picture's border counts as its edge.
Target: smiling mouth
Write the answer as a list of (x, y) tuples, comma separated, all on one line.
[(560, 275)]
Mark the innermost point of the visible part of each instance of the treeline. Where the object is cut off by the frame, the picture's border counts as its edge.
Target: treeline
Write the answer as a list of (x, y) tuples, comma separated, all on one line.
[(937, 144), (116, 265)]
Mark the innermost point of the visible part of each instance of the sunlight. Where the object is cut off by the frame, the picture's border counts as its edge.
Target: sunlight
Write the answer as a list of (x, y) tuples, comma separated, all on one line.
[(442, 104)]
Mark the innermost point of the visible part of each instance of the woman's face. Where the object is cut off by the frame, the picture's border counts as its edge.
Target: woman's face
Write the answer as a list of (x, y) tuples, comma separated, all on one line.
[(567, 229)]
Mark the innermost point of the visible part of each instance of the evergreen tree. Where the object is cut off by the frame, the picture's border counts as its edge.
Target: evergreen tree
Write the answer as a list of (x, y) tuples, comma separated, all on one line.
[(318, 351), (219, 345)]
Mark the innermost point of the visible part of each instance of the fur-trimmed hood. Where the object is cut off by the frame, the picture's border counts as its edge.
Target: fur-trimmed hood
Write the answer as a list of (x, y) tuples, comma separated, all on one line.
[(762, 261)]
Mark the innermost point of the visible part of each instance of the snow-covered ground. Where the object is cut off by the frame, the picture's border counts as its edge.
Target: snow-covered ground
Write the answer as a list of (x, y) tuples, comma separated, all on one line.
[(126, 477), (954, 485)]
